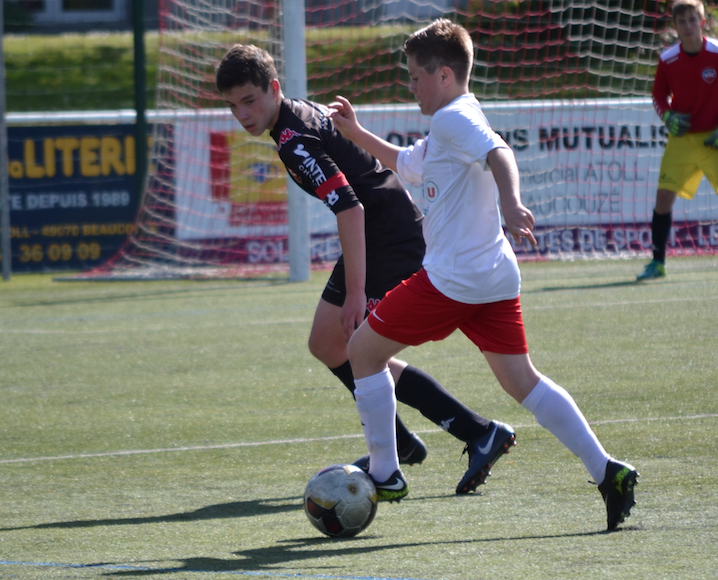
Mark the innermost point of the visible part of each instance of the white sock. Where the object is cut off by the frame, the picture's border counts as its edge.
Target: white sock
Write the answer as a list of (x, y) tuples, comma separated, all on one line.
[(377, 409), (556, 410)]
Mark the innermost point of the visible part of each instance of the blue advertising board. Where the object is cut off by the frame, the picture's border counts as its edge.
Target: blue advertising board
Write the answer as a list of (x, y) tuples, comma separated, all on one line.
[(73, 194)]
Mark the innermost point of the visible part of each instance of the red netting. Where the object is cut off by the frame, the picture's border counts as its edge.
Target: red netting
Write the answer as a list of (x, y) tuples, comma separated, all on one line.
[(567, 85)]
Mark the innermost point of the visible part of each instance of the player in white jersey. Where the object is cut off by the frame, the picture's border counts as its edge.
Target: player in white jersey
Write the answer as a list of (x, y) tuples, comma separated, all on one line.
[(470, 280), (468, 257)]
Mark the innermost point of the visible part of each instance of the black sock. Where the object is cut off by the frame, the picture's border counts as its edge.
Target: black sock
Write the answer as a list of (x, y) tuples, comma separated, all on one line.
[(403, 435), (423, 392), (346, 376), (660, 230)]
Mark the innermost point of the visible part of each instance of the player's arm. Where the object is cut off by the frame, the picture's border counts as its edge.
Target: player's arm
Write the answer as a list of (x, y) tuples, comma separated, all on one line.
[(661, 92), (306, 157), (519, 219), (676, 122), (350, 223), (346, 121)]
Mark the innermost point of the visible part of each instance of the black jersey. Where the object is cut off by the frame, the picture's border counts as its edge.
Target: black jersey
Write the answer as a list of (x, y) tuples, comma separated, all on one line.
[(332, 168)]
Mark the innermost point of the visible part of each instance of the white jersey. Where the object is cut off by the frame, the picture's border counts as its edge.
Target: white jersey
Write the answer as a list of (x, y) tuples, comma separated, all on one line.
[(468, 257)]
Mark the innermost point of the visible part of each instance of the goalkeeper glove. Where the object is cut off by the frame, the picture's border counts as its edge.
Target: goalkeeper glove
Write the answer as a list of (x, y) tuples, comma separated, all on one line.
[(712, 140), (677, 123)]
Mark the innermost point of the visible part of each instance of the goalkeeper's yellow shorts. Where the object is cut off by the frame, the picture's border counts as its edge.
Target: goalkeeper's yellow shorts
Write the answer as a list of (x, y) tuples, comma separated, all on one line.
[(685, 161)]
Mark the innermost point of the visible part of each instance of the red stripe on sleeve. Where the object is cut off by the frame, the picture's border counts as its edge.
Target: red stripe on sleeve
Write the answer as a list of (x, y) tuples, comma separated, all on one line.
[(334, 182)]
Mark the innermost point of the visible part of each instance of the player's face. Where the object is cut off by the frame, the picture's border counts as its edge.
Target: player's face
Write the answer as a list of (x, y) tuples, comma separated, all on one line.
[(689, 27), (426, 87), (256, 110)]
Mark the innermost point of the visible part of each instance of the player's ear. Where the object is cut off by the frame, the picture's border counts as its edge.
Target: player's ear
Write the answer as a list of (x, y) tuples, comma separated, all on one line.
[(447, 75), (275, 87)]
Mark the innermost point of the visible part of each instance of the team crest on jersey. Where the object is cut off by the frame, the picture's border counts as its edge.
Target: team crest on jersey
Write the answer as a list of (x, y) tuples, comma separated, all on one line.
[(431, 191), (286, 136), (709, 75)]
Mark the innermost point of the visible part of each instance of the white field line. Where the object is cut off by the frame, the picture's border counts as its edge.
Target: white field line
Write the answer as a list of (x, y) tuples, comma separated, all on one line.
[(152, 328), (310, 440), (562, 305)]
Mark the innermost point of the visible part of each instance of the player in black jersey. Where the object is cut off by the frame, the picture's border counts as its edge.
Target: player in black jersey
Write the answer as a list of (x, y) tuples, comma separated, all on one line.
[(382, 245)]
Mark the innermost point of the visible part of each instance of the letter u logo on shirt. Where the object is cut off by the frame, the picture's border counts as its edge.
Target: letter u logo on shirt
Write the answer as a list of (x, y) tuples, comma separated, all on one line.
[(431, 191)]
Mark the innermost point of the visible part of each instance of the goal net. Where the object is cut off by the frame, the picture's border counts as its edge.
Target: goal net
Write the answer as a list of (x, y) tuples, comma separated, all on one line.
[(567, 84)]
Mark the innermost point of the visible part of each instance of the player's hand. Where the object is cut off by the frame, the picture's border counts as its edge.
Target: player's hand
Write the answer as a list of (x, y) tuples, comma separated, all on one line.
[(352, 313), (520, 223), (712, 140), (677, 123), (344, 117)]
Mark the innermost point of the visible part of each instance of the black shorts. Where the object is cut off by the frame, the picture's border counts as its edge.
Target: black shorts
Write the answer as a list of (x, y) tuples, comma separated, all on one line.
[(384, 271)]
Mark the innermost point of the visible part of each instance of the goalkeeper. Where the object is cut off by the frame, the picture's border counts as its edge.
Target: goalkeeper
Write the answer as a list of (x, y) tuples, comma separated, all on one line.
[(685, 95), (380, 231)]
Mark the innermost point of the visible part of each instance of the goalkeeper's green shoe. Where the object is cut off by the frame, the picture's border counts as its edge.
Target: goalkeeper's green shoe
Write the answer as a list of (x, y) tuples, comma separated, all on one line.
[(653, 270)]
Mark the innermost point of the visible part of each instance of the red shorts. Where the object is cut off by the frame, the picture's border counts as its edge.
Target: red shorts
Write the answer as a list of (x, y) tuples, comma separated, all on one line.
[(415, 312)]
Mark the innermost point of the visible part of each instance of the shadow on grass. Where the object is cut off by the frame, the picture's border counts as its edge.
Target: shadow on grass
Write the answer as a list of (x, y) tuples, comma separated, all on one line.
[(278, 556), (622, 284), (293, 551), (240, 509), (585, 287), (260, 283)]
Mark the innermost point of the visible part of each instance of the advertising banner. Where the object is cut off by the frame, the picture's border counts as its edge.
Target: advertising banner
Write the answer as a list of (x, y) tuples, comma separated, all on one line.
[(588, 170), (589, 173), (73, 194)]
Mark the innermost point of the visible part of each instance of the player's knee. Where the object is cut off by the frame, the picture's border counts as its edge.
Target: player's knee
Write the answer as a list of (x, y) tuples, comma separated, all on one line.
[(317, 346), (354, 349), (363, 363), (664, 201), (328, 352), (368, 352)]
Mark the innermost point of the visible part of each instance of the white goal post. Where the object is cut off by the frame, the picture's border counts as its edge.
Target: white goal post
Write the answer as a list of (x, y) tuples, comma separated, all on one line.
[(295, 84)]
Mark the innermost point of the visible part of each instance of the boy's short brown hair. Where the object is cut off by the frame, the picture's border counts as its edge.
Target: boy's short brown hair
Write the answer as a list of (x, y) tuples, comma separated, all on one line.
[(442, 43), (682, 6), (245, 64)]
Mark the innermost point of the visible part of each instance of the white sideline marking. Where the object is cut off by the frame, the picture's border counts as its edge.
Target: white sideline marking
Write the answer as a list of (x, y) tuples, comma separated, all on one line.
[(150, 328), (310, 440), (189, 448), (162, 328)]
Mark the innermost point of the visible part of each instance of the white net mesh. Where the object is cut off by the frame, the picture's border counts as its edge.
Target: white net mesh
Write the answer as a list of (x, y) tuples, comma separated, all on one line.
[(566, 83)]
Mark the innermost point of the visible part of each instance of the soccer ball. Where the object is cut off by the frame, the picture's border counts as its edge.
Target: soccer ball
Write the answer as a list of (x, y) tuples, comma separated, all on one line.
[(340, 501)]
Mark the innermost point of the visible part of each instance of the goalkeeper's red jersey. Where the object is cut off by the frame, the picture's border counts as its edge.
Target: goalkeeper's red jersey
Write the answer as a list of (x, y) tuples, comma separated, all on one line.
[(688, 83)]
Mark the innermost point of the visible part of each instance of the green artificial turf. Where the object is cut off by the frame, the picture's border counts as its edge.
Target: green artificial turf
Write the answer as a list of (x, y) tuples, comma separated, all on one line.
[(167, 430)]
